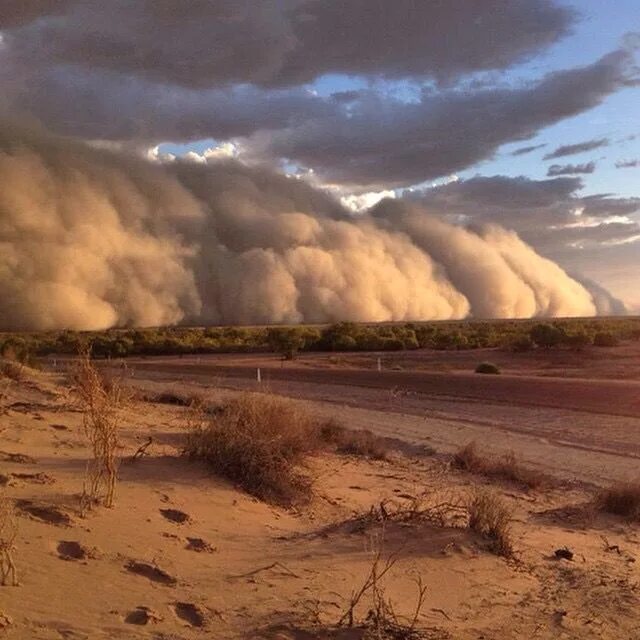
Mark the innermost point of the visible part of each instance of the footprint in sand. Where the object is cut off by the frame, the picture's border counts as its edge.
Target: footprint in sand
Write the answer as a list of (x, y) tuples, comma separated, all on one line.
[(18, 458), (200, 545), (5, 621), (59, 427), (44, 513), (34, 478), (190, 613), (142, 615), (174, 515), (149, 571)]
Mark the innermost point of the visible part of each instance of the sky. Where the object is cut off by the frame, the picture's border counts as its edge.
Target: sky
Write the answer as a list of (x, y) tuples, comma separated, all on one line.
[(521, 113)]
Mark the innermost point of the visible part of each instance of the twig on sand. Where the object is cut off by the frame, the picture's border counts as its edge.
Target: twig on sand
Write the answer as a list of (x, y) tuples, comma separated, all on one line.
[(142, 450), (267, 568)]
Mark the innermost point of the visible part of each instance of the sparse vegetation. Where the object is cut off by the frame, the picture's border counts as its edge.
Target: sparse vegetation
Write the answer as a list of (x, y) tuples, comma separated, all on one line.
[(505, 467), (101, 401), (518, 335), (621, 499), (490, 517), (487, 367), (259, 442), (8, 534)]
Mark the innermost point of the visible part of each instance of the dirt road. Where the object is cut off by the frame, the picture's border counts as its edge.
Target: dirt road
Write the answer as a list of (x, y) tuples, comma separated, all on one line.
[(607, 397), (586, 430)]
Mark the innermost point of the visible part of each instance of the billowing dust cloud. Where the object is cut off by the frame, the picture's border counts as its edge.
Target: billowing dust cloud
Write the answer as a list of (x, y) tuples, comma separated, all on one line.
[(91, 239)]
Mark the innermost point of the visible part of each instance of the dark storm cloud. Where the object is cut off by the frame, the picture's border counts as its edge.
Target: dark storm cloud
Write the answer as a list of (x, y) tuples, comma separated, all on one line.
[(497, 193), (284, 42), (156, 70), (580, 147), (524, 150), (106, 106), (379, 141), (550, 214), (627, 164), (570, 169)]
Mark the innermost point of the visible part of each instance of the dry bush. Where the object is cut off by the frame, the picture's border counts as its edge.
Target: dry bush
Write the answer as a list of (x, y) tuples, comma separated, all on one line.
[(8, 534), (506, 467), (622, 499), (257, 441), (173, 398), (381, 621), (13, 371), (102, 400), (437, 511), (357, 442), (491, 518)]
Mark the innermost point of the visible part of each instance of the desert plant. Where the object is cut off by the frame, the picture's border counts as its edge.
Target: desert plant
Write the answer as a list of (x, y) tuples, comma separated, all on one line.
[(490, 517), (621, 499), (357, 442), (8, 534), (102, 401), (258, 441), (487, 367)]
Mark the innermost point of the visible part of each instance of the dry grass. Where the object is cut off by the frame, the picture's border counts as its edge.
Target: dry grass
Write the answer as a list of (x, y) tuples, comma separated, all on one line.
[(102, 401), (257, 441), (506, 467), (8, 534), (490, 517), (622, 499), (360, 442)]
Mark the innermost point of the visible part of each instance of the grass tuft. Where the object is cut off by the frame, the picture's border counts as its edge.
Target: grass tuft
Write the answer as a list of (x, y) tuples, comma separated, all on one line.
[(622, 499), (506, 467), (490, 517)]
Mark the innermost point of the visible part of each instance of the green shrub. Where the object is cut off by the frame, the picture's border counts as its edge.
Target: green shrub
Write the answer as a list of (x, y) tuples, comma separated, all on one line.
[(546, 335), (487, 367)]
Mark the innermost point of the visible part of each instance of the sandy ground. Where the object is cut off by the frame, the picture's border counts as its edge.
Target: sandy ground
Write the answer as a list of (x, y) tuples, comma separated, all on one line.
[(265, 572)]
